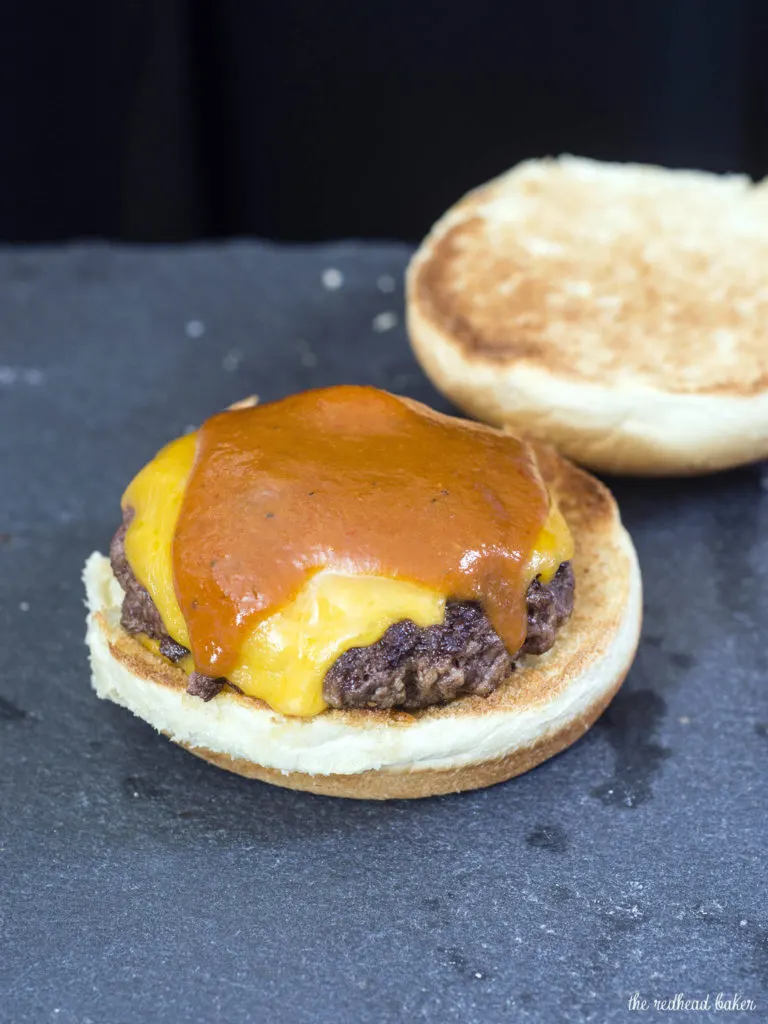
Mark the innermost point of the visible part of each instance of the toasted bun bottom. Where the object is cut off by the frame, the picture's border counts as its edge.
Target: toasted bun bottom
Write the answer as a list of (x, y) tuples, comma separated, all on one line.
[(545, 705)]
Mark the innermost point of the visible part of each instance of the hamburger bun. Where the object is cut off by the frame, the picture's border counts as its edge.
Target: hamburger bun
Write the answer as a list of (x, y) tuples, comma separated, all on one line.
[(618, 311), (545, 705)]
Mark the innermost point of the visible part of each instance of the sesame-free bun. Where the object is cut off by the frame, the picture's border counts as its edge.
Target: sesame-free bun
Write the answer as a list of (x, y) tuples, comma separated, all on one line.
[(619, 311), (543, 707)]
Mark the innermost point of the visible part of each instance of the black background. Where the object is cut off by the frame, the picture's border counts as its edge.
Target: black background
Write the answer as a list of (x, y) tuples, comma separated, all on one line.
[(177, 119)]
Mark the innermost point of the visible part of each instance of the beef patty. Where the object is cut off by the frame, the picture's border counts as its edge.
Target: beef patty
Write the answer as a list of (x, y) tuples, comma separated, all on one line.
[(409, 667)]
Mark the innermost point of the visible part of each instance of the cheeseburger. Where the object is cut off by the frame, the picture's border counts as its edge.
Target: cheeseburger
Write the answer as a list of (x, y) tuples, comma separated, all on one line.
[(349, 593)]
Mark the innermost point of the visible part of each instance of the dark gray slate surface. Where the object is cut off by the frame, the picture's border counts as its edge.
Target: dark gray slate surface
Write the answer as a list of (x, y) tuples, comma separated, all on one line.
[(141, 885)]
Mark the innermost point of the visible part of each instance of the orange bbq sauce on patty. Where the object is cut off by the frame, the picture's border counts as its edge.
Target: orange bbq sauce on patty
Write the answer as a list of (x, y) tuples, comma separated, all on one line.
[(355, 480)]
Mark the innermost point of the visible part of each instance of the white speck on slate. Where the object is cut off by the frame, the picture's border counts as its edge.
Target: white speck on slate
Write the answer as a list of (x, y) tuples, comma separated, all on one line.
[(384, 322), (24, 606), (743, 923), (386, 283), (195, 329), (478, 974), (10, 375), (307, 357), (684, 720), (332, 279), (232, 360), (711, 908)]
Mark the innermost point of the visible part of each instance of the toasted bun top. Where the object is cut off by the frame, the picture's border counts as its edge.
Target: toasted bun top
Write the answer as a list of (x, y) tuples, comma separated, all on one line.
[(606, 273)]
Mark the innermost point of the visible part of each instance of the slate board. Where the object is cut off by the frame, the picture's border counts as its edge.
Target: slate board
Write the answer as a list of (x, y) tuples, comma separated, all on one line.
[(141, 885)]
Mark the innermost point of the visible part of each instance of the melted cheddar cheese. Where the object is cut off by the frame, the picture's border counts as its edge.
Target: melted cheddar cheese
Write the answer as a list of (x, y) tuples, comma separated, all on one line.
[(284, 659)]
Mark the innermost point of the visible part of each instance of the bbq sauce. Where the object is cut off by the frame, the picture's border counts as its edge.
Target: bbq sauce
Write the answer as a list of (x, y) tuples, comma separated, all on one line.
[(353, 480)]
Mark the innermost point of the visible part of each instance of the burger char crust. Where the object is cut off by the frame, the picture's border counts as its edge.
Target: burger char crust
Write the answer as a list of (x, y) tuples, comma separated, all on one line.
[(409, 666)]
